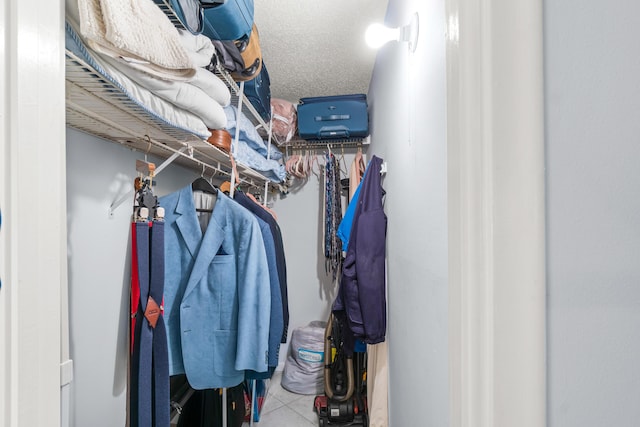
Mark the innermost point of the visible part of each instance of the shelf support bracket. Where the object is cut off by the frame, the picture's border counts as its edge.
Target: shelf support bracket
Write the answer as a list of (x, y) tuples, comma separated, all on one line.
[(159, 169)]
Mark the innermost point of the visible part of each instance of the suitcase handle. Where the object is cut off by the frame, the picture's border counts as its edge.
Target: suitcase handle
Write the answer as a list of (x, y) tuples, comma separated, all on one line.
[(334, 134), (332, 117)]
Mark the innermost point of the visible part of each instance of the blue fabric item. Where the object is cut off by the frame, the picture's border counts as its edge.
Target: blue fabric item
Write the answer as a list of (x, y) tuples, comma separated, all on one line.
[(276, 323), (271, 169), (344, 229), (217, 295), (361, 301), (360, 347), (249, 133)]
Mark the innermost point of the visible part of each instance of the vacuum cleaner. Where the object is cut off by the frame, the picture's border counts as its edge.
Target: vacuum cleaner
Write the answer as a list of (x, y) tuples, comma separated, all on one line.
[(344, 402)]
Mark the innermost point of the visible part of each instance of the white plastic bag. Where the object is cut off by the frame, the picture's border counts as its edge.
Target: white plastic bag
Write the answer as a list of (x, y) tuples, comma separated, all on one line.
[(304, 368), (283, 119)]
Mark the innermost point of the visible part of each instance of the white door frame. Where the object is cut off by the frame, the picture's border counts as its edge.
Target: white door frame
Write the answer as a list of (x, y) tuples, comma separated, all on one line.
[(496, 213), (33, 240)]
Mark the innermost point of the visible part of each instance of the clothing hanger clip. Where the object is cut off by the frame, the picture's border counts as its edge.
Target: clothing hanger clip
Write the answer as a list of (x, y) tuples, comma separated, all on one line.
[(145, 168)]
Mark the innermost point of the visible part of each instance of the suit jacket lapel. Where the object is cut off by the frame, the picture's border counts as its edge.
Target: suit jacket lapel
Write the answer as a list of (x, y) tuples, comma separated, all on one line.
[(210, 242), (187, 221)]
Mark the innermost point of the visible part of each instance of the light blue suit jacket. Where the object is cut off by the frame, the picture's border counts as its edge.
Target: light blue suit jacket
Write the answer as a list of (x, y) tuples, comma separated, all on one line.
[(217, 297)]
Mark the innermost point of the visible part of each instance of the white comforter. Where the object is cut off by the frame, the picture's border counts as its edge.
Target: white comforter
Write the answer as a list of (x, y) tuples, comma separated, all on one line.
[(155, 106), (136, 32), (204, 95)]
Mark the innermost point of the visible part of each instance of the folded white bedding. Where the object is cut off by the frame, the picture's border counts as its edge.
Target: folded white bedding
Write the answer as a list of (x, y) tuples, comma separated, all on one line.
[(155, 106), (136, 32), (201, 96), (198, 47)]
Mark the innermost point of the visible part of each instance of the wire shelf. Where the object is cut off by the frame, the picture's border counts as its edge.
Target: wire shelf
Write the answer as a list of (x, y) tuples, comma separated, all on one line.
[(95, 106)]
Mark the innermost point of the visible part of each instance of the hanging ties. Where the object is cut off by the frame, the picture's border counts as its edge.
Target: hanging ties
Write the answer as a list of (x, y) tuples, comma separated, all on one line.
[(150, 362), (333, 216)]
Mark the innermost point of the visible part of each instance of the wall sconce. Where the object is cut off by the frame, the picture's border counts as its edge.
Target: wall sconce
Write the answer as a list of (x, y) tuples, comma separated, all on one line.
[(377, 34)]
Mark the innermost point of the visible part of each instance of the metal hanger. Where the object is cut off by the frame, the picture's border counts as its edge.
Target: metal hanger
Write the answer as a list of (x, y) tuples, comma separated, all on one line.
[(201, 184)]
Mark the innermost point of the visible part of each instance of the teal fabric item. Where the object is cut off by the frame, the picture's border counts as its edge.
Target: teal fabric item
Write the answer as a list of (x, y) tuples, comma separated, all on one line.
[(344, 229)]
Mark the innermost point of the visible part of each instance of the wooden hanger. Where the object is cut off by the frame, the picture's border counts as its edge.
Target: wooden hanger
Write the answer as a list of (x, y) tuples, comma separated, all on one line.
[(225, 187)]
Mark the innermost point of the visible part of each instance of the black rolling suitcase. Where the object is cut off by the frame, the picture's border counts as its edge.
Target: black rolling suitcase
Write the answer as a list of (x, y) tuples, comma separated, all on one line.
[(203, 408)]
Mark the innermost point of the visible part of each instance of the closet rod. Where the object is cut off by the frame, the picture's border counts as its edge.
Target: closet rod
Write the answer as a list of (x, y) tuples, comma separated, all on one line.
[(339, 143)]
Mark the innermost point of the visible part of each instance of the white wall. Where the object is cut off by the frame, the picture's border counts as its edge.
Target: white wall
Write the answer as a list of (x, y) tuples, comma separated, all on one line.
[(592, 128), (408, 114), (99, 268), (98, 173)]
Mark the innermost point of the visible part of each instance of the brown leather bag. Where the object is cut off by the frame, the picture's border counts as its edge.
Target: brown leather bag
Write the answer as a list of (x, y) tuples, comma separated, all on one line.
[(252, 56), (220, 138)]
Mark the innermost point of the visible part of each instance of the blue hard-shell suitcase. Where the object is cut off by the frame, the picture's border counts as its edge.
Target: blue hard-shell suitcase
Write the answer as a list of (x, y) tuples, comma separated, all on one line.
[(231, 20), (333, 117), (258, 91)]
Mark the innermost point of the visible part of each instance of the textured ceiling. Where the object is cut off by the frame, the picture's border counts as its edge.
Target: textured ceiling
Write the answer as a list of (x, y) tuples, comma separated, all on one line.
[(316, 47)]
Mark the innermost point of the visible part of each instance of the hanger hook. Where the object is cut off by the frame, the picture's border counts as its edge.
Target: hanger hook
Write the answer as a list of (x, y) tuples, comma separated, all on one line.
[(215, 171), (148, 147), (202, 174)]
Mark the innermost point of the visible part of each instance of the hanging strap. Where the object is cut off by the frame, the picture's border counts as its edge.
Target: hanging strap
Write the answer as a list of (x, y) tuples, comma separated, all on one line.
[(160, 345), (150, 365), (135, 286)]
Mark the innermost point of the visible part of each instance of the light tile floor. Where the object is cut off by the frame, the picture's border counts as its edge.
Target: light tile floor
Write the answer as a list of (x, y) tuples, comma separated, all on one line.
[(285, 409)]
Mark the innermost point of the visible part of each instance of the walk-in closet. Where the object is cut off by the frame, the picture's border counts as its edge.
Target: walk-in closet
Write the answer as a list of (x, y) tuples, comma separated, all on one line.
[(164, 165)]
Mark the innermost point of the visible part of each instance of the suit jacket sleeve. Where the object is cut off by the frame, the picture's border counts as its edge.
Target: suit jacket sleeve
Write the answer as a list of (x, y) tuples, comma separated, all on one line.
[(254, 301), (370, 271)]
